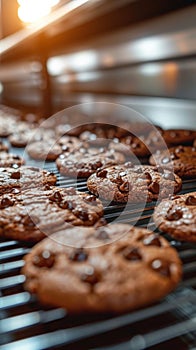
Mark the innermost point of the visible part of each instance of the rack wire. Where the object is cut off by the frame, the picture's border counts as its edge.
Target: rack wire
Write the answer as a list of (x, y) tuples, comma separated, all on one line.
[(26, 324)]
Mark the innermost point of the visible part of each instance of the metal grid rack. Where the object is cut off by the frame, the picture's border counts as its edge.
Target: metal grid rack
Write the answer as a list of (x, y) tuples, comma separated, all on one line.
[(25, 324)]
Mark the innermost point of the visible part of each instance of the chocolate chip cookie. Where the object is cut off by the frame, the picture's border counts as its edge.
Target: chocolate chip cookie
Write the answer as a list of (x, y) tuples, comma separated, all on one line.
[(69, 144), (44, 150), (85, 161), (177, 216), (133, 183), (12, 180), (182, 160), (130, 145), (50, 149), (179, 136), (10, 160), (136, 270), (7, 126), (32, 214), (29, 135)]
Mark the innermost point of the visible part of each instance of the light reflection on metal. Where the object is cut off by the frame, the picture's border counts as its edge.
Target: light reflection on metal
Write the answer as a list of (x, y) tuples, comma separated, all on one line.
[(129, 52)]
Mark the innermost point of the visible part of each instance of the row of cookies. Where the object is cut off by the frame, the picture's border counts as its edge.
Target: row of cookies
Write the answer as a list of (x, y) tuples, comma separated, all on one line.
[(102, 287), (108, 277), (141, 139)]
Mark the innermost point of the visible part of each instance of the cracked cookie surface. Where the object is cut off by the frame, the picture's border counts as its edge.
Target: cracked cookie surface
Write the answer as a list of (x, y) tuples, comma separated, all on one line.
[(133, 183), (177, 216)]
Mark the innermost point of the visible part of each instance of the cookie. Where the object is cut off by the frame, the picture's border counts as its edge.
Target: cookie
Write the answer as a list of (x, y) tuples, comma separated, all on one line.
[(68, 130), (10, 160), (130, 145), (44, 150), (29, 135), (69, 143), (84, 162), (133, 183), (50, 149), (7, 126), (139, 128), (177, 216), (93, 140), (3, 147), (182, 160), (179, 136), (170, 137), (12, 180), (136, 270), (32, 214)]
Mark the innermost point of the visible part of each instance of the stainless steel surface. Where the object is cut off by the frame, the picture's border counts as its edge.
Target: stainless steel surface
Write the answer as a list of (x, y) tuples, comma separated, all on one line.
[(164, 111), (155, 58), (134, 50)]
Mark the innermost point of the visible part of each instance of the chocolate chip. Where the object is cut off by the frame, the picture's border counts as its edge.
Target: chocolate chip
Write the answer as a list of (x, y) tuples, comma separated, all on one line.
[(62, 156), (91, 200), (125, 187), (174, 215), (44, 259), (15, 175), (152, 240), (90, 276), (81, 214), (191, 200), (161, 267), (78, 255), (16, 157), (179, 149), (122, 173), (132, 254), (30, 221), (168, 176), (63, 204), (148, 176), (56, 197), (165, 160), (6, 202), (102, 173), (15, 190), (96, 165), (154, 187), (15, 166), (64, 149), (174, 156), (102, 234), (128, 165), (174, 197)]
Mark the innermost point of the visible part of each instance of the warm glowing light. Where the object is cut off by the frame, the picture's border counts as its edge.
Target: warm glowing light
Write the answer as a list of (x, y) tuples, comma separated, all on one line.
[(33, 10), (50, 3)]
